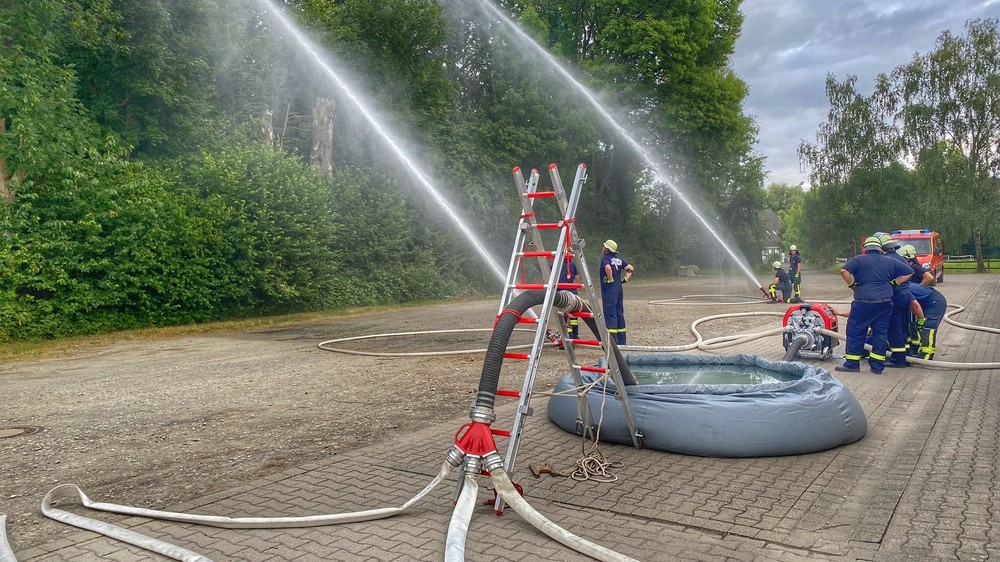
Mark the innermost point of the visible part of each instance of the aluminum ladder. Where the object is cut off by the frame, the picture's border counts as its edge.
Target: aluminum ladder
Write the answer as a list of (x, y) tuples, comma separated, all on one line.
[(529, 243)]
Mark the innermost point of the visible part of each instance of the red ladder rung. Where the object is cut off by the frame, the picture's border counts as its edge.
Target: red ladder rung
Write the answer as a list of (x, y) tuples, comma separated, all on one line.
[(524, 320), (549, 225), (500, 432), (511, 393), (593, 369), (570, 285), (539, 254), (510, 355), (541, 194), (591, 343), (581, 314), (529, 286)]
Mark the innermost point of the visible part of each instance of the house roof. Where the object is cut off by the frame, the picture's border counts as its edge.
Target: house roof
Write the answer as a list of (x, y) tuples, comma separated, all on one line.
[(772, 225)]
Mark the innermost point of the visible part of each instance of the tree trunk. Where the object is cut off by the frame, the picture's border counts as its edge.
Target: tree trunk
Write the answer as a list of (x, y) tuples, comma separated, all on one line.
[(266, 128), (978, 237), (322, 136), (5, 195)]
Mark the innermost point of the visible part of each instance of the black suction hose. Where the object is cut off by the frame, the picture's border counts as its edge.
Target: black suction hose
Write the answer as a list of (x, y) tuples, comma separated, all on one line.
[(794, 347), (504, 327)]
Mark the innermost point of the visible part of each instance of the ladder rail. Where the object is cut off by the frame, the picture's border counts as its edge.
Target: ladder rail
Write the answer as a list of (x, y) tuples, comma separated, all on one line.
[(527, 210), (611, 359)]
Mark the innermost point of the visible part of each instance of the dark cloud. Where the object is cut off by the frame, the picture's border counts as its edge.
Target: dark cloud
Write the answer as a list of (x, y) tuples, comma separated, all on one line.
[(788, 47)]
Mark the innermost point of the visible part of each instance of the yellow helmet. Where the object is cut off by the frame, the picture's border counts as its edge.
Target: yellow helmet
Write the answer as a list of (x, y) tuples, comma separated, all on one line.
[(908, 252), (611, 245), (793, 248), (873, 243), (776, 265), (888, 243)]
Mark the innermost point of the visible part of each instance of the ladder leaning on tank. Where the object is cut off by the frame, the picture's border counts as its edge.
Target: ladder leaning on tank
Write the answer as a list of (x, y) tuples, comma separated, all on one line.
[(567, 243)]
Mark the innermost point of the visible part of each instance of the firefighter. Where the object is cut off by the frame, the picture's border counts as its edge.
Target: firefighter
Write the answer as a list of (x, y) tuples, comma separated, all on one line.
[(781, 283), (903, 304), (570, 274), (795, 270), (923, 331), (871, 276), (920, 272), (614, 272)]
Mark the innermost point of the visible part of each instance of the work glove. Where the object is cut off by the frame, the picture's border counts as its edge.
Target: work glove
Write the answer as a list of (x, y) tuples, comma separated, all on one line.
[(624, 280), (894, 283), (920, 323), (609, 280), (798, 277), (854, 286)]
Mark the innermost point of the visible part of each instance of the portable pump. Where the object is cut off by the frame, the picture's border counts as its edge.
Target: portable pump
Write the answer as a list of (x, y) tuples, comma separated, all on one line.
[(803, 337)]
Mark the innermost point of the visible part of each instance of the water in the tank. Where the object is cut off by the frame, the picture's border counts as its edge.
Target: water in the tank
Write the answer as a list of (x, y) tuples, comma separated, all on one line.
[(707, 374)]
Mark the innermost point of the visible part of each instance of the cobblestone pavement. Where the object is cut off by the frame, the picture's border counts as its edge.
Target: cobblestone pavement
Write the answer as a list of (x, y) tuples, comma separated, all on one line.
[(922, 485)]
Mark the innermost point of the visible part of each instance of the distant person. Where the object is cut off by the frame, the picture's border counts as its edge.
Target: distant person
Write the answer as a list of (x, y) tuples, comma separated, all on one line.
[(781, 283), (871, 276), (570, 274), (614, 272), (795, 270)]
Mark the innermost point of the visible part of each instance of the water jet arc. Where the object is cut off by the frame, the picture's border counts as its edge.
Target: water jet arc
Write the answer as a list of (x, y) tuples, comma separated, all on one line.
[(390, 140), (654, 164)]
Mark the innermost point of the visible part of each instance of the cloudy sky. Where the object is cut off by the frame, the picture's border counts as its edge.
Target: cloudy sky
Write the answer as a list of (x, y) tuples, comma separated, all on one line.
[(789, 46)]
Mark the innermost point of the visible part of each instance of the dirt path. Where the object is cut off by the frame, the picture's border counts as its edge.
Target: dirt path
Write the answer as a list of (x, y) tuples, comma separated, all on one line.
[(153, 424)]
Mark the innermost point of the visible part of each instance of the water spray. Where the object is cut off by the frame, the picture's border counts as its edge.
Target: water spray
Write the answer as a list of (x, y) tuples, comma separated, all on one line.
[(654, 164), (383, 133)]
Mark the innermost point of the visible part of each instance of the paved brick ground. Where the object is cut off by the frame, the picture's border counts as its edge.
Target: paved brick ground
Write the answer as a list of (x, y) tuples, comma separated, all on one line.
[(922, 485)]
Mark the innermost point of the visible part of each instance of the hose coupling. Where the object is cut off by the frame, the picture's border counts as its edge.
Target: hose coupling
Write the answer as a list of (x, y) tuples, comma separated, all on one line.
[(482, 414), (492, 461), (566, 301), (455, 456), (473, 465)]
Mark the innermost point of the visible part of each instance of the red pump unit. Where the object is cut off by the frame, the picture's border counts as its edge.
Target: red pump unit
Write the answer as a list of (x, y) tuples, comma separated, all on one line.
[(803, 337)]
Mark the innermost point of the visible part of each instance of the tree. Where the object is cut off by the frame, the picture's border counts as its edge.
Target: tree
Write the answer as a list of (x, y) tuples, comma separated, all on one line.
[(669, 63), (782, 196), (952, 95), (858, 133)]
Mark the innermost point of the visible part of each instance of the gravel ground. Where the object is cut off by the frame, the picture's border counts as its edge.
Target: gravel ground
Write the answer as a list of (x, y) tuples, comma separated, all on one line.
[(158, 423)]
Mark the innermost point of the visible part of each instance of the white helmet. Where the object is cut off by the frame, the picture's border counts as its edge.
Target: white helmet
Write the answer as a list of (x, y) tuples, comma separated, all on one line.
[(793, 248), (776, 265)]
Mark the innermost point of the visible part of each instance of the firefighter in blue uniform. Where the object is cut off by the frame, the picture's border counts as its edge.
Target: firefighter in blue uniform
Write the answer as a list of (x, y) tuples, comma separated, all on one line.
[(570, 274), (795, 270), (902, 305), (614, 272), (923, 331), (871, 276), (781, 283)]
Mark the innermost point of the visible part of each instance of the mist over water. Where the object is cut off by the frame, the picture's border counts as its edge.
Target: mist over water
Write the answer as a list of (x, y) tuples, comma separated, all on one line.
[(334, 73), (657, 167)]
